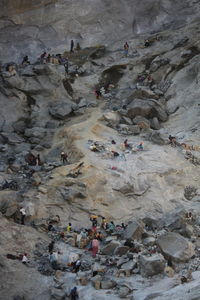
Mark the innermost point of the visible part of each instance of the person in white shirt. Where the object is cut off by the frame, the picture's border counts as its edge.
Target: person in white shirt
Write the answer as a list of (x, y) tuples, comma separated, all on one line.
[(25, 259)]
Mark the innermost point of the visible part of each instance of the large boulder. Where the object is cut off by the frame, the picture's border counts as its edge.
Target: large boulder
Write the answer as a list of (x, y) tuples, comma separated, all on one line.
[(60, 110), (110, 248), (134, 230), (151, 265), (176, 247)]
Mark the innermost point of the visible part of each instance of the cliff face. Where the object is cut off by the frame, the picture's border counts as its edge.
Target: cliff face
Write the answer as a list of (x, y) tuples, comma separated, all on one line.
[(29, 27)]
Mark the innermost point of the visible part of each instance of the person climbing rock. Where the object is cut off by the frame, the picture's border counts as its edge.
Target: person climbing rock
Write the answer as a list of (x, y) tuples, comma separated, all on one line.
[(23, 214), (74, 294), (63, 157), (72, 46), (172, 140), (126, 49)]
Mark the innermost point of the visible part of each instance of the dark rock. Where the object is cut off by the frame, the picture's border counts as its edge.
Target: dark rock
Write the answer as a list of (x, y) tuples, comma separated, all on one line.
[(155, 124), (190, 192), (121, 250), (157, 138), (60, 110)]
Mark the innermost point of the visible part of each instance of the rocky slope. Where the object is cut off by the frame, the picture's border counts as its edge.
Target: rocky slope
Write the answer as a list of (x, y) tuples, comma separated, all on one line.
[(45, 112), (51, 24)]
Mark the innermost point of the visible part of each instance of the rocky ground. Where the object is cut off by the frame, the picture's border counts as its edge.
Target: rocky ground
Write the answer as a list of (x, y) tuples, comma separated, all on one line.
[(45, 112)]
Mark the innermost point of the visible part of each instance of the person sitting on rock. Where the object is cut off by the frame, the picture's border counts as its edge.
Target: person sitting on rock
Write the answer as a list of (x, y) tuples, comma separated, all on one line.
[(93, 148), (172, 140), (140, 147), (64, 157), (114, 153), (25, 61)]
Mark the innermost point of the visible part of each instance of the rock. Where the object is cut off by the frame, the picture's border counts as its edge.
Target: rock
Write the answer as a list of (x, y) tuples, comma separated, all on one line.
[(157, 138), (121, 250), (182, 42), (57, 294), (158, 62), (122, 261), (129, 266), (155, 124), (123, 291), (109, 249), (175, 246), (96, 267), (108, 284), (125, 120), (144, 93), (134, 230), (149, 241), (96, 282), (60, 110), (190, 192), (36, 132), (141, 122), (11, 138), (112, 118), (151, 265)]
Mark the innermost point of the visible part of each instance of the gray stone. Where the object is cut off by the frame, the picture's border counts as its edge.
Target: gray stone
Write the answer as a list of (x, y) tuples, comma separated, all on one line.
[(129, 266), (109, 249), (151, 265), (175, 246), (155, 124), (157, 138), (134, 230), (149, 241), (36, 132), (121, 250), (108, 284), (141, 122), (60, 110)]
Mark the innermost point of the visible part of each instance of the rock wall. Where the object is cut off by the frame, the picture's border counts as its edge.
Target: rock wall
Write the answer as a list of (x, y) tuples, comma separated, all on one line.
[(29, 27)]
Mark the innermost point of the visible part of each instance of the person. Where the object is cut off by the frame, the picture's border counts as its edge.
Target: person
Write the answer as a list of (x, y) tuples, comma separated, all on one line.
[(104, 223), (48, 59), (63, 157), (69, 227), (123, 226), (126, 145), (66, 66), (146, 43), (140, 147), (76, 266), (111, 226), (25, 61), (43, 57), (38, 160), (97, 93), (95, 247), (126, 48), (78, 47), (24, 259), (51, 247), (72, 46), (23, 214), (74, 294), (93, 148), (115, 153), (172, 140)]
